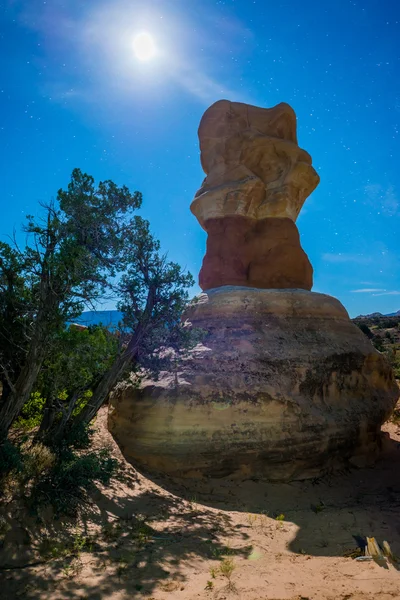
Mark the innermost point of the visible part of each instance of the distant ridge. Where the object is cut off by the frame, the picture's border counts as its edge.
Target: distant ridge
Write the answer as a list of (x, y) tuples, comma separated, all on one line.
[(378, 315), (111, 318), (107, 318)]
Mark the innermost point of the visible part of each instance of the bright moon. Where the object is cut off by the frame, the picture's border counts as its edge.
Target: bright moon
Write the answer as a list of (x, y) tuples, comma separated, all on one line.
[(144, 47)]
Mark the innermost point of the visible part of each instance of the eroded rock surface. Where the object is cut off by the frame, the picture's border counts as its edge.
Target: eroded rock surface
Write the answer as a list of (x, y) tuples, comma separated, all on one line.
[(283, 387), (257, 179), (253, 165), (263, 253)]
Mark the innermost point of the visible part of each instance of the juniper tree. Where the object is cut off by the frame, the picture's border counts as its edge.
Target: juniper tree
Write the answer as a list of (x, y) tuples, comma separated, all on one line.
[(89, 244), (67, 262), (78, 359), (153, 293)]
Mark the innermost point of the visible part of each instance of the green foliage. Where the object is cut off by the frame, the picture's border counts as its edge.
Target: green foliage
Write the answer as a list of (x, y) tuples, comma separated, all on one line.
[(379, 322), (79, 359), (70, 255), (18, 297), (81, 402), (378, 343), (385, 337), (389, 322), (81, 543), (394, 358), (153, 294), (11, 459), (58, 548), (52, 548), (31, 413), (61, 479), (88, 243), (317, 508), (227, 567), (55, 378), (366, 330), (79, 436), (66, 485)]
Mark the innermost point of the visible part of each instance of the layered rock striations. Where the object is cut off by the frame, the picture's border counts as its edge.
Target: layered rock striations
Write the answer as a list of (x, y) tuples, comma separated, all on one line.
[(284, 386)]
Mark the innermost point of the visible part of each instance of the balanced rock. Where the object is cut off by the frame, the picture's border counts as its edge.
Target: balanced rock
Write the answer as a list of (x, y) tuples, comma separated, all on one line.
[(284, 386), (257, 181)]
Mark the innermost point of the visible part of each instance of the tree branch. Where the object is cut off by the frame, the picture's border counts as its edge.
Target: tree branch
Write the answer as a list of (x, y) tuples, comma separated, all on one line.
[(8, 379)]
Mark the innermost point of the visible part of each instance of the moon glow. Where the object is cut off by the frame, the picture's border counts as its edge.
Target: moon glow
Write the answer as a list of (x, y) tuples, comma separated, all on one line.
[(144, 46)]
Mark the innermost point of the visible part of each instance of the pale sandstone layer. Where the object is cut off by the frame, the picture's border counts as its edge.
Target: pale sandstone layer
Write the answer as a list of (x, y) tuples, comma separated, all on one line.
[(283, 387), (262, 254), (253, 165)]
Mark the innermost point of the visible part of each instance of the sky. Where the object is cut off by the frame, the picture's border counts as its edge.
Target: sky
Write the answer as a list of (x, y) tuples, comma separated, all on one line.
[(73, 93)]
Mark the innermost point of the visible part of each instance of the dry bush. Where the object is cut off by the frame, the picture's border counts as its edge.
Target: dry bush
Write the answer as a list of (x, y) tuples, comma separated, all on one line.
[(38, 460)]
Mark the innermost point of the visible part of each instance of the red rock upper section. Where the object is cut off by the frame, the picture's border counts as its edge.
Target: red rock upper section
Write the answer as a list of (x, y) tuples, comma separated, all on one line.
[(260, 254)]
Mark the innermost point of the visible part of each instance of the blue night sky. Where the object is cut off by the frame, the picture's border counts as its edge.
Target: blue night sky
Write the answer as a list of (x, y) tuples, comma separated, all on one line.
[(73, 94)]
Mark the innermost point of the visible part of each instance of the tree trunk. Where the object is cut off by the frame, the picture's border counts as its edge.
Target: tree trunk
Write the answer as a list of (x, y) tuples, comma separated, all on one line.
[(114, 374), (103, 388), (47, 421), (5, 391), (22, 389), (57, 433)]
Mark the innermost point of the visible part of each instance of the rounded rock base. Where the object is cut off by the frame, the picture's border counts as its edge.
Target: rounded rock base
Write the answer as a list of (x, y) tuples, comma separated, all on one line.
[(284, 386)]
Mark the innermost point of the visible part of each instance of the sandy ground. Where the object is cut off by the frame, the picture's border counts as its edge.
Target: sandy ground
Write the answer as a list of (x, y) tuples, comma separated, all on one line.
[(157, 539)]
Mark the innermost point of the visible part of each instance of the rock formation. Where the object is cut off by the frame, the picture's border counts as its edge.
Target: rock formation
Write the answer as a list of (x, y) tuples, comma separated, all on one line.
[(257, 181), (284, 386), (253, 164), (263, 253)]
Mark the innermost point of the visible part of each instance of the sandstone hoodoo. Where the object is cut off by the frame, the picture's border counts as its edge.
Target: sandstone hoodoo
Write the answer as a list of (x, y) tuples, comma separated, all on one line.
[(283, 386), (257, 179)]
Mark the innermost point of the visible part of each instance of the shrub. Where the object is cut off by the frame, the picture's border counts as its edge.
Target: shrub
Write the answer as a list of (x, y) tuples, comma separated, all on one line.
[(31, 413), (66, 485), (10, 459), (38, 459), (378, 343), (395, 362), (227, 567), (366, 330), (79, 436)]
